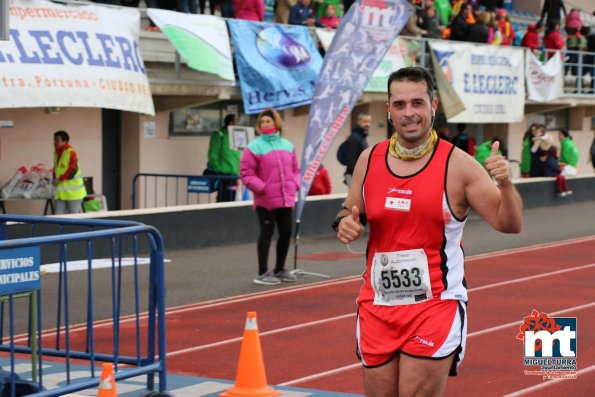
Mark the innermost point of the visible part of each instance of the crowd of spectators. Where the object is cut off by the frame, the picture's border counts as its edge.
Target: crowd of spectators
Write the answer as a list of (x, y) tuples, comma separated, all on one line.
[(478, 21)]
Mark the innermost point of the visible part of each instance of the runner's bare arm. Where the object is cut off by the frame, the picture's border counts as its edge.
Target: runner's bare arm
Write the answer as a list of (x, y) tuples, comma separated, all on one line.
[(500, 205), (350, 228)]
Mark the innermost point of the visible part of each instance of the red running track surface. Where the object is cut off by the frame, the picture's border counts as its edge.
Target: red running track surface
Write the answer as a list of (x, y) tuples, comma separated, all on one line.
[(308, 332)]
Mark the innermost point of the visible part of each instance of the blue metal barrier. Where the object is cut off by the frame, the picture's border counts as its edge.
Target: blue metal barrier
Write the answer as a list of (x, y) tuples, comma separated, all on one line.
[(142, 353), (163, 190)]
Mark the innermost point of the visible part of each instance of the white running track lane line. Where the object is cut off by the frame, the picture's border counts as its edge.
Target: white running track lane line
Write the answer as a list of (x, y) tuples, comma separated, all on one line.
[(83, 327), (265, 333), (533, 247), (549, 383), (320, 375), (477, 333), (523, 279)]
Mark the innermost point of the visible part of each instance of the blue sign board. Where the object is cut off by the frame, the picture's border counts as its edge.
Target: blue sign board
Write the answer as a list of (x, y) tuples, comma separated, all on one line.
[(199, 184), (19, 270)]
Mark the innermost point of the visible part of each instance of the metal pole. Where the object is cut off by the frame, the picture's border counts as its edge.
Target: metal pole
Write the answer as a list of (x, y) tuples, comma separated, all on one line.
[(296, 241), (4, 21)]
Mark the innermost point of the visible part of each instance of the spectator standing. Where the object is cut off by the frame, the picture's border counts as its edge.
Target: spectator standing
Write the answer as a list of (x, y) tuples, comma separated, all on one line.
[(330, 19), (224, 161), (321, 183), (569, 156), (553, 40), (282, 10), (411, 28), (575, 42), (269, 168), (531, 38), (525, 166), (356, 144), (552, 8), (301, 14), (551, 168), (458, 26), (508, 34), (69, 188), (479, 32), (464, 141), (445, 11), (429, 20), (249, 10)]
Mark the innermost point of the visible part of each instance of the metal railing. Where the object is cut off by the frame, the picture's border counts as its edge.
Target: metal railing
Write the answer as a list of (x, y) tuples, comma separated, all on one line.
[(99, 315), (151, 190)]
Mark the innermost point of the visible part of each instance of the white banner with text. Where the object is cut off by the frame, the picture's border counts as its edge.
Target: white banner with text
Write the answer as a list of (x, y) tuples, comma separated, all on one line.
[(489, 80), (73, 56)]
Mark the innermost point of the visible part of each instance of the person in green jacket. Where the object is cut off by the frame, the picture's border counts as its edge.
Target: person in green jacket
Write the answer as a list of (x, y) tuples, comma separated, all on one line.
[(525, 167), (485, 150), (568, 154), (444, 10), (224, 161)]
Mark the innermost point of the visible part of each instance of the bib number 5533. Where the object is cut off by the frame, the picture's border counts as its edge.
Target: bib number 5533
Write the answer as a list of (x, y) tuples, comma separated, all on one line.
[(403, 278)]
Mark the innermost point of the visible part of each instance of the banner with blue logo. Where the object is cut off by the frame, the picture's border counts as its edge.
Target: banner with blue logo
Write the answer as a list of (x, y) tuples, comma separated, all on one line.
[(277, 65), (19, 270), (363, 38)]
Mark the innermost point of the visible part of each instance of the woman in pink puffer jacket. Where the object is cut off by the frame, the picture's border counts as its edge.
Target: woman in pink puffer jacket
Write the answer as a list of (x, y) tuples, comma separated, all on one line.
[(269, 168)]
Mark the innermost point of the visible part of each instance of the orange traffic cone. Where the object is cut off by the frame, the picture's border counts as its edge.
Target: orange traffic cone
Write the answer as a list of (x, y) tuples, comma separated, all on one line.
[(107, 383), (251, 380)]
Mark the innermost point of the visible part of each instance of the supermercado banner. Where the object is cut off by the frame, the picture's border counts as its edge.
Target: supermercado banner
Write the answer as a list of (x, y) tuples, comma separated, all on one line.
[(365, 34), (545, 82), (62, 56), (201, 39), (489, 80), (278, 65)]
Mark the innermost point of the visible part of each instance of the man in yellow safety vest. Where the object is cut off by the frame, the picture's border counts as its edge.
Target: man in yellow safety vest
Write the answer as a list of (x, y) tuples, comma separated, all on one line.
[(69, 190)]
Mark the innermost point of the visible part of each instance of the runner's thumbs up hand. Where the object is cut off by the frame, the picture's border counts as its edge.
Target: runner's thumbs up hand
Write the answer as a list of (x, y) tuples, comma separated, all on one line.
[(350, 227), (496, 166)]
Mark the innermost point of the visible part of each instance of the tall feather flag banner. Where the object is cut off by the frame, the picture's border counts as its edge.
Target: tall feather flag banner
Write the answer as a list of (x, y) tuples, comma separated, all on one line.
[(364, 36)]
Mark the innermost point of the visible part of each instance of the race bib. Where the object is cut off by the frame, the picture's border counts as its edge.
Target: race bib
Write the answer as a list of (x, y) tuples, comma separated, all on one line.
[(401, 278)]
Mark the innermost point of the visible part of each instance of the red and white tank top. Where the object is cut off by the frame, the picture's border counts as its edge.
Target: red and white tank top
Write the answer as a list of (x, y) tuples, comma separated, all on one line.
[(414, 248)]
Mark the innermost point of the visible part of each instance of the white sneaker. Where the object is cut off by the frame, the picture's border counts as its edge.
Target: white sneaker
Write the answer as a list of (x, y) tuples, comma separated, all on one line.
[(267, 279), (285, 275)]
